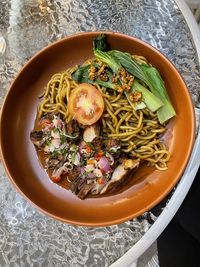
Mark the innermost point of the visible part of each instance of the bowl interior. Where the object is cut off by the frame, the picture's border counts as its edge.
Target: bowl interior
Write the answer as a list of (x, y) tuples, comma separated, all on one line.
[(144, 190)]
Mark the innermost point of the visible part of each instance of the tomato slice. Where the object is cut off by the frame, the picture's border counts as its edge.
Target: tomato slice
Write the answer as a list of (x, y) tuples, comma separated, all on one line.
[(86, 104), (55, 179), (45, 122)]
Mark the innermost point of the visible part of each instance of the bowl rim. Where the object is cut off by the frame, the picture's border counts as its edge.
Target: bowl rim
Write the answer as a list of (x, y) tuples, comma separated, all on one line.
[(147, 207)]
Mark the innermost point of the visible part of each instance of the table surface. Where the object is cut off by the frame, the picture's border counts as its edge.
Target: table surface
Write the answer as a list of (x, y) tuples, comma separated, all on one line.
[(27, 237)]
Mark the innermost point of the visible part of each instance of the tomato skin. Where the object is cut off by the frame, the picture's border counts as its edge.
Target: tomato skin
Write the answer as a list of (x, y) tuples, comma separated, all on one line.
[(88, 149), (98, 155), (86, 104), (101, 181), (55, 179), (45, 122)]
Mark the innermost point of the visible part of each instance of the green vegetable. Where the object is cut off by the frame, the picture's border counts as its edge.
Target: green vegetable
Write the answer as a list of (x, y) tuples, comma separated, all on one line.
[(81, 75), (107, 58), (130, 65), (158, 88), (73, 157), (137, 105), (63, 138), (151, 77), (156, 100), (73, 147), (114, 149), (107, 84), (91, 146), (152, 102), (55, 154), (147, 74), (47, 142), (63, 151), (101, 43)]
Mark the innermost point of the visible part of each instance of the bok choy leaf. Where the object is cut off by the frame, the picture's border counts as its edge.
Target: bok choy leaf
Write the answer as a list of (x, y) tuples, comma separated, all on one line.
[(81, 75), (167, 111), (151, 77), (107, 58), (152, 102)]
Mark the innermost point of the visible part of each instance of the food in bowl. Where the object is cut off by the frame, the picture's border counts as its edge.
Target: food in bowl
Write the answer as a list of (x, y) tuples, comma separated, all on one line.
[(99, 122)]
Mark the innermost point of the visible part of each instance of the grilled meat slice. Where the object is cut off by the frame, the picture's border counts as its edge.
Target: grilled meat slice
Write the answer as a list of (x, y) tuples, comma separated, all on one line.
[(90, 133), (85, 190), (37, 137), (120, 173), (51, 163), (74, 174)]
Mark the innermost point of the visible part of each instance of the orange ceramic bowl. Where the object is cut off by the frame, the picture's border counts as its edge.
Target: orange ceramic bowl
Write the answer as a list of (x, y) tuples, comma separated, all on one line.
[(147, 187)]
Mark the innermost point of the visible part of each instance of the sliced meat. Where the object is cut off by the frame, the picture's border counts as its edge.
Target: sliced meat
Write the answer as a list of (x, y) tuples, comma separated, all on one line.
[(50, 116), (75, 183), (57, 172), (90, 133), (52, 163), (85, 190), (97, 188), (37, 137), (45, 122), (69, 127), (74, 174), (120, 173), (82, 186)]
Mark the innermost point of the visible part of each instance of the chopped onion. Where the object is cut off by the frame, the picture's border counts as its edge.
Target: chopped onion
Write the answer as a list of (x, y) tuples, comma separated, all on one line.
[(57, 172), (89, 168), (55, 134), (57, 122), (91, 175), (82, 169), (104, 165), (56, 142), (81, 148), (77, 159), (67, 166), (98, 173), (110, 158)]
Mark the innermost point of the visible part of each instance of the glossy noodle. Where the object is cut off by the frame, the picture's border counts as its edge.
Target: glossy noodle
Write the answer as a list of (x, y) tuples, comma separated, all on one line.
[(138, 130)]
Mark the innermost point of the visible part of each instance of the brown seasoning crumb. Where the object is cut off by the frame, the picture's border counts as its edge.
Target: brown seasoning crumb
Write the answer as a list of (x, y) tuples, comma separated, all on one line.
[(136, 96)]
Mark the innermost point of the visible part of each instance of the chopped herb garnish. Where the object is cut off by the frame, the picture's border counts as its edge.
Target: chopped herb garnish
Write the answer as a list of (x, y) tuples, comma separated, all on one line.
[(114, 149), (73, 147), (63, 138), (71, 136), (56, 130), (91, 146), (55, 153), (63, 151), (47, 142), (73, 156)]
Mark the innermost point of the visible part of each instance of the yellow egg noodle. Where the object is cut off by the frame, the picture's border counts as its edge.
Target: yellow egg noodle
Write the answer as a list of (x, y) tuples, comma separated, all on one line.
[(138, 130)]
